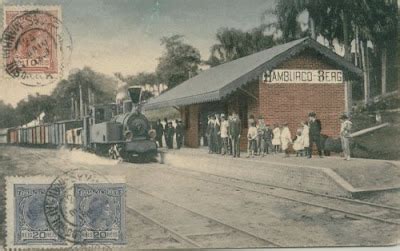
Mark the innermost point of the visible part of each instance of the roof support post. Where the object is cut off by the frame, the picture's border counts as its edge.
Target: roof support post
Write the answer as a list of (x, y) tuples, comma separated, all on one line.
[(348, 97), (249, 93)]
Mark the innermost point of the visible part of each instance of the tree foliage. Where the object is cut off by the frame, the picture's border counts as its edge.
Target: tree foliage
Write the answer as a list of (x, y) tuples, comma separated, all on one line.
[(234, 43), (7, 116), (102, 86), (140, 79), (179, 61), (30, 108), (376, 19), (357, 21)]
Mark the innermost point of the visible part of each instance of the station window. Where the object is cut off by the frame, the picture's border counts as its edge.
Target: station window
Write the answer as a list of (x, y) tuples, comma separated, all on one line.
[(99, 115)]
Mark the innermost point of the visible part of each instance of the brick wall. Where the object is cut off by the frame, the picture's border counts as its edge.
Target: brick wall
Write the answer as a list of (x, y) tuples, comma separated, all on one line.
[(279, 103), (291, 103), (190, 116)]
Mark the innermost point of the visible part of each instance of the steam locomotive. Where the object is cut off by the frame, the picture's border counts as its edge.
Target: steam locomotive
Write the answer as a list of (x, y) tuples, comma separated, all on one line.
[(125, 135), (109, 129)]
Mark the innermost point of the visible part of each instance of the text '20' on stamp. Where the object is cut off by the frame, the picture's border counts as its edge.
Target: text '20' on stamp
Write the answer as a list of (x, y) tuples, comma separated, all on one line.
[(42, 213)]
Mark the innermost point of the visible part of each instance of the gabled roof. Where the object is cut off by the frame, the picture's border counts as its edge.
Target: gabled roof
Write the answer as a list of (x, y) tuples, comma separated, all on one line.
[(217, 82)]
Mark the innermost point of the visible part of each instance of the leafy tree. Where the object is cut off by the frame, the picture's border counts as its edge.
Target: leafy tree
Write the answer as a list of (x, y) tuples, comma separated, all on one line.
[(8, 117), (30, 108), (141, 79), (234, 43), (102, 87), (179, 62), (345, 21), (146, 95)]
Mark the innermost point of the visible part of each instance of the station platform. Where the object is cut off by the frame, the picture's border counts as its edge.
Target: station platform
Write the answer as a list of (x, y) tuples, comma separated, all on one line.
[(329, 175)]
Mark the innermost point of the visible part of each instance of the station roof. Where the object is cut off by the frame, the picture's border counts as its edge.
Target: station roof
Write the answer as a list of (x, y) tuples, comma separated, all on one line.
[(217, 82)]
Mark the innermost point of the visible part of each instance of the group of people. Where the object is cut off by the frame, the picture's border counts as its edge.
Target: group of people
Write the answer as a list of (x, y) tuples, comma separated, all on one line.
[(263, 139), (223, 135), (167, 131)]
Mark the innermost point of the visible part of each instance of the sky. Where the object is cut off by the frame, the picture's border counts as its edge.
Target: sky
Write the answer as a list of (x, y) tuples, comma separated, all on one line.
[(124, 35)]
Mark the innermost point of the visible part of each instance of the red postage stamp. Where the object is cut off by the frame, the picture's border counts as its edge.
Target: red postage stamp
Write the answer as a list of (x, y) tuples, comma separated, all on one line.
[(33, 43)]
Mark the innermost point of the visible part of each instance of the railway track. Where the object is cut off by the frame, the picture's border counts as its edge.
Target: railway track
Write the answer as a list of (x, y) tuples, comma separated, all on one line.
[(202, 232), (194, 228), (350, 207), (355, 208)]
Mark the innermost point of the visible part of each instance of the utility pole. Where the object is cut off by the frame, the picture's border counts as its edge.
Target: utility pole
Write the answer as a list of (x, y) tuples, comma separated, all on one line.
[(76, 109), (72, 107), (364, 54), (80, 102)]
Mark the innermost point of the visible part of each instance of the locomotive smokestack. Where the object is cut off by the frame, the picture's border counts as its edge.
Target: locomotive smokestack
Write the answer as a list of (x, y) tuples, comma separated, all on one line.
[(135, 93)]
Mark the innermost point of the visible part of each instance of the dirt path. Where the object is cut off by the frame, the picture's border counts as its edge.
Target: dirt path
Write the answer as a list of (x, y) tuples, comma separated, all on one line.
[(173, 200)]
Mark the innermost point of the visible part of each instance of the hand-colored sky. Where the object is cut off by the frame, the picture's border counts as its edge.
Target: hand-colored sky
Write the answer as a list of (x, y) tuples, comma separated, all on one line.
[(124, 35)]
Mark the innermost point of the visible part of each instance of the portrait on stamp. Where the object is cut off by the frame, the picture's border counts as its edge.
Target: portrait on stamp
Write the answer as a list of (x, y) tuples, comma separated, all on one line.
[(28, 225), (100, 213)]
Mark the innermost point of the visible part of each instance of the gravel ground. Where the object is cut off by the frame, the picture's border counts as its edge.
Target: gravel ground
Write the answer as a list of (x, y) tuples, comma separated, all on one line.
[(286, 223)]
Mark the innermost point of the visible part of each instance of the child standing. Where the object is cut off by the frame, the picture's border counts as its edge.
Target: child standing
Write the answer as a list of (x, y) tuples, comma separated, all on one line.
[(286, 139), (276, 141), (298, 143), (345, 135), (252, 139)]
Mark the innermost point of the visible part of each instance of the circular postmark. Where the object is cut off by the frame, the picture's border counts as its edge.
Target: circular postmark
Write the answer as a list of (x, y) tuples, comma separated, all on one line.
[(37, 47), (63, 211)]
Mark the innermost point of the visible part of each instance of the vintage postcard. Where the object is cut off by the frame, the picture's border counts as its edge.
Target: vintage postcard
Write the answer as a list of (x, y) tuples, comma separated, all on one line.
[(199, 124)]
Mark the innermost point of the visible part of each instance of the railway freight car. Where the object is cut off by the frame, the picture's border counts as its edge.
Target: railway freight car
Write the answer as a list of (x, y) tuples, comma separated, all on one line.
[(4, 136), (126, 135)]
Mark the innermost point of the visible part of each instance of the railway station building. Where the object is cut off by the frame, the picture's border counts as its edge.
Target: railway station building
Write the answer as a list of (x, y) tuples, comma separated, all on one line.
[(282, 84)]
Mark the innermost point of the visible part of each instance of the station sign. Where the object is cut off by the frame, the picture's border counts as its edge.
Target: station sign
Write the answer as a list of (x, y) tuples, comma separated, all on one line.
[(283, 76)]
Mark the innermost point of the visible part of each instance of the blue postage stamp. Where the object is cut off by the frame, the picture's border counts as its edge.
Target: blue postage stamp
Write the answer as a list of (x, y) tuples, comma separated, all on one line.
[(100, 213), (31, 226)]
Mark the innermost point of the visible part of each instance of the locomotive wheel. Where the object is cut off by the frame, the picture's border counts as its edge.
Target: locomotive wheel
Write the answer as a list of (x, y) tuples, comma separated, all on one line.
[(114, 152)]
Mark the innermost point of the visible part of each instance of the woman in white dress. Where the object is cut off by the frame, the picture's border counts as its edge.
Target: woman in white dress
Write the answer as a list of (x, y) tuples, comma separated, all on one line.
[(286, 139), (298, 142), (276, 140)]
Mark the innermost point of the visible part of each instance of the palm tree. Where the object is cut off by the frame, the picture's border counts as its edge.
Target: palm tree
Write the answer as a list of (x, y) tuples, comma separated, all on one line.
[(233, 44)]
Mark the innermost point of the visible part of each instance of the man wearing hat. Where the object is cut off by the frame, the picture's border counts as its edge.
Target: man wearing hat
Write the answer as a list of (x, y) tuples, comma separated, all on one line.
[(235, 129), (345, 129), (260, 131), (314, 133), (159, 132), (179, 134), (170, 135)]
